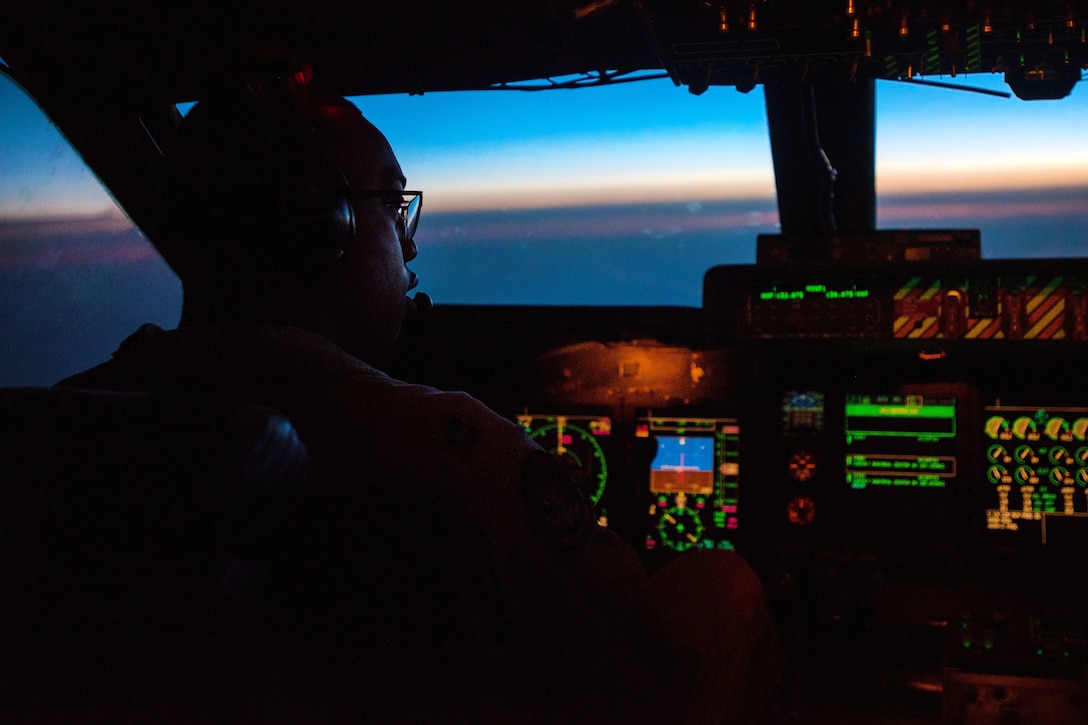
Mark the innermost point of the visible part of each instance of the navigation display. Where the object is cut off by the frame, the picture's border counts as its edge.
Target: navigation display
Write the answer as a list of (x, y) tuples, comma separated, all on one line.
[(693, 481)]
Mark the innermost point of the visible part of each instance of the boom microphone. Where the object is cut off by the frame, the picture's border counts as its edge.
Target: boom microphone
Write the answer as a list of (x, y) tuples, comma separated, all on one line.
[(423, 305)]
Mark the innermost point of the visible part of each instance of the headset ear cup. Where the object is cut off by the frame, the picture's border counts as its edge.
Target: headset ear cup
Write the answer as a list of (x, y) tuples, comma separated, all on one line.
[(247, 189), (310, 265), (314, 223)]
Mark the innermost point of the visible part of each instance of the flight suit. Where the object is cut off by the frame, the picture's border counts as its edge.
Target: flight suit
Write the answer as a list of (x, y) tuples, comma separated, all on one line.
[(453, 552)]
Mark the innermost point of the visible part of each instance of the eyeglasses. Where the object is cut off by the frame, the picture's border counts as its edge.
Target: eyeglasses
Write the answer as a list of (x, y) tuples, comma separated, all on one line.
[(407, 203)]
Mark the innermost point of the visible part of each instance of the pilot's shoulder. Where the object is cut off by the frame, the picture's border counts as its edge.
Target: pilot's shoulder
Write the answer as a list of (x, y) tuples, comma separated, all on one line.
[(458, 421)]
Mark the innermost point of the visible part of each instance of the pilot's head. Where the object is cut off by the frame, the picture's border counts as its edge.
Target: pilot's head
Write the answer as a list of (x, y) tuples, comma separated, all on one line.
[(283, 204)]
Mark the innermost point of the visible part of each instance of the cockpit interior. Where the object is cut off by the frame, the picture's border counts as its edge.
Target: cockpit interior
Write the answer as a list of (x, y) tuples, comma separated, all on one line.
[(888, 423)]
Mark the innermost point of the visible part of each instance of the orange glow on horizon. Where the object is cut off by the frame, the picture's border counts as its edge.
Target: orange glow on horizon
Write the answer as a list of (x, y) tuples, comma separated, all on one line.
[(890, 182), (65, 222), (895, 194), (464, 198), (922, 181)]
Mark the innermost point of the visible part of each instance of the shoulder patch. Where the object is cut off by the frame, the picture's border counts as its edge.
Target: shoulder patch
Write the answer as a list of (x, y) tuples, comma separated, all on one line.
[(557, 505), (461, 434)]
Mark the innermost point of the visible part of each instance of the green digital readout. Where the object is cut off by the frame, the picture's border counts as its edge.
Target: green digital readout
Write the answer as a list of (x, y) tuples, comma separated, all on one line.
[(900, 440), (813, 291), (909, 416), (899, 470)]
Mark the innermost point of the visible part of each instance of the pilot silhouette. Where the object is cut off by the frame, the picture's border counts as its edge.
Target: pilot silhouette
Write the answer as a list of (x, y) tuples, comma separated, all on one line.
[(489, 591)]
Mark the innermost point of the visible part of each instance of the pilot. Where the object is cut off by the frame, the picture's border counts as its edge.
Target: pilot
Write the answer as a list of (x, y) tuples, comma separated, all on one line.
[(285, 214)]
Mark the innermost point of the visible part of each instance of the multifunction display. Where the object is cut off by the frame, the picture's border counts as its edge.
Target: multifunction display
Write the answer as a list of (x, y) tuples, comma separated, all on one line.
[(694, 482), (900, 440), (1036, 464)]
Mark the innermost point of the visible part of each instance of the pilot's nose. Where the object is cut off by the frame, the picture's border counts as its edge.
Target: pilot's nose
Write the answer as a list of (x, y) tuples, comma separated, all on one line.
[(408, 249)]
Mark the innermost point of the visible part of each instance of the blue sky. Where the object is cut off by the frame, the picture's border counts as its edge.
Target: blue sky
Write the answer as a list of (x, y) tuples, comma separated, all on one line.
[(73, 288), (626, 142), (657, 141), (39, 173)]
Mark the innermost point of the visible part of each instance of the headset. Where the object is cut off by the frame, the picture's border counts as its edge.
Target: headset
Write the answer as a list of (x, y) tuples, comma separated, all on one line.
[(247, 177)]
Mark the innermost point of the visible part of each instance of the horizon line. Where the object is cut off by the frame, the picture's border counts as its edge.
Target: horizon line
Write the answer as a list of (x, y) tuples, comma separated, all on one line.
[(114, 217)]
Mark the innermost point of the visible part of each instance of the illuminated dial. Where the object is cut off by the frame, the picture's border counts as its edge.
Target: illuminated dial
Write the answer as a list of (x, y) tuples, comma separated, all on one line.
[(1057, 428), (1024, 474), (802, 466), (1025, 454), (1059, 476), (801, 511), (1024, 427), (997, 453), (578, 446), (1060, 454), (680, 527), (996, 473), (995, 426)]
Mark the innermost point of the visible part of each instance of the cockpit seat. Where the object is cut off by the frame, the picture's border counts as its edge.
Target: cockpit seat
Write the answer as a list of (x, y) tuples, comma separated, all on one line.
[(130, 528), (178, 559), (175, 558)]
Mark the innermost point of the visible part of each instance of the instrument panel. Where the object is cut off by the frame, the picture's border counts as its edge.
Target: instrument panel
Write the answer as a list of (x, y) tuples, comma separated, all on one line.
[(904, 461), (911, 414), (914, 474)]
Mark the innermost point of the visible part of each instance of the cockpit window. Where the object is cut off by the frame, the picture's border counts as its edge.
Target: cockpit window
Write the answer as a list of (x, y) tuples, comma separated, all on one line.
[(76, 276), (617, 195), (1013, 169), (627, 194)]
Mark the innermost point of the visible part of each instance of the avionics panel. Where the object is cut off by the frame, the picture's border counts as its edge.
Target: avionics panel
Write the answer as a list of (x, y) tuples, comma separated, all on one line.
[(580, 440), (1036, 467), (1038, 299), (800, 446), (900, 440), (694, 482)]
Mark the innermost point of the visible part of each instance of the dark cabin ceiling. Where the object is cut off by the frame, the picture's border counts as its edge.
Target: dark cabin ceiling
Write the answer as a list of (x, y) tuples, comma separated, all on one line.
[(169, 49)]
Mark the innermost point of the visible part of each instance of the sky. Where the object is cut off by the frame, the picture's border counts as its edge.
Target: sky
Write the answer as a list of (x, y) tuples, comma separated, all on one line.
[(647, 141), (497, 168), (656, 141)]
